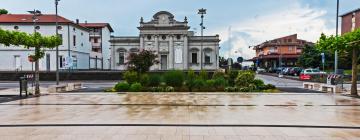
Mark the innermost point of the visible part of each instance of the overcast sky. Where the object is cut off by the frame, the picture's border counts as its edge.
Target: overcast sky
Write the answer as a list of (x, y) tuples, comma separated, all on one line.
[(251, 21)]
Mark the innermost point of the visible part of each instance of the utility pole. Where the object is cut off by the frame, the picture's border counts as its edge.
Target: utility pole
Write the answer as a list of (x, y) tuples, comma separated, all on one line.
[(57, 47), (202, 12), (337, 33)]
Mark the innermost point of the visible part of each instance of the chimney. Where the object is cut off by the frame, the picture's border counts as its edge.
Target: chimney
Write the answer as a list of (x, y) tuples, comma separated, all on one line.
[(77, 21)]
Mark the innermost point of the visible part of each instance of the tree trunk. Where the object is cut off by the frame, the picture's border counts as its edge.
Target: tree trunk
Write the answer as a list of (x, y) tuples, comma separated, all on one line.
[(354, 72), (37, 79)]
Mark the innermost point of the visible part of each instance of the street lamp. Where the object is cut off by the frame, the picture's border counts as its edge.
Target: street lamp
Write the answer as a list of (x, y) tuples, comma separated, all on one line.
[(337, 33), (35, 14), (57, 47), (202, 12)]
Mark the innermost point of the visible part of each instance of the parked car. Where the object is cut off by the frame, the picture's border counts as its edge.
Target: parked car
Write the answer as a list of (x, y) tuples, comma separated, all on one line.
[(307, 74), (286, 70), (295, 71), (260, 70), (279, 70)]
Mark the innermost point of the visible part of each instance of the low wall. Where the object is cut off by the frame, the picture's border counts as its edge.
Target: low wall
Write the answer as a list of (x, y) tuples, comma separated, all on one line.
[(72, 75)]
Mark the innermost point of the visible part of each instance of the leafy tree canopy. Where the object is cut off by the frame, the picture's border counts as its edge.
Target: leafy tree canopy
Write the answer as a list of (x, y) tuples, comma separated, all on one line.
[(142, 61), (3, 11), (35, 40)]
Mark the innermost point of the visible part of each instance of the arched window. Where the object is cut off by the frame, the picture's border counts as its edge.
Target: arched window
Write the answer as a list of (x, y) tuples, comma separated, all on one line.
[(16, 27), (37, 27), (121, 56), (194, 55)]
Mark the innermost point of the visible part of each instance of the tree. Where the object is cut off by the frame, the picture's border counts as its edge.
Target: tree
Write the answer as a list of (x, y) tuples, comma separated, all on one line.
[(142, 61), (222, 62), (349, 42), (36, 41), (3, 11)]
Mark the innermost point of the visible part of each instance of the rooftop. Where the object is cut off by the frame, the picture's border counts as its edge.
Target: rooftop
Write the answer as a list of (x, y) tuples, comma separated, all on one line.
[(97, 25), (27, 18), (356, 10)]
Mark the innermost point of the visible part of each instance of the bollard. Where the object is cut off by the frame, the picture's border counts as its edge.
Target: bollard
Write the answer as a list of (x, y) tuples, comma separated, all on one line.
[(23, 86)]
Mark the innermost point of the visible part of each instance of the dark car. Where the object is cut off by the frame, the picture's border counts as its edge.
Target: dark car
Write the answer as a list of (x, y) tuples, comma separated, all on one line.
[(279, 70), (295, 71)]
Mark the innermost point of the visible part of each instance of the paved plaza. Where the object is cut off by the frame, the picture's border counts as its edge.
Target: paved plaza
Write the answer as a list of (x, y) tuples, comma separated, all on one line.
[(203, 116)]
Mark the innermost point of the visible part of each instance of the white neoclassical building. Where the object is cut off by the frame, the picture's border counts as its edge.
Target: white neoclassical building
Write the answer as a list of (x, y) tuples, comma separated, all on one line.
[(176, 46)]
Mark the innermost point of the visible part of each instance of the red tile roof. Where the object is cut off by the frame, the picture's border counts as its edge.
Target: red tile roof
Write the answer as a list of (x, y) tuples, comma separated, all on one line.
[(27, 18), (97, 25)]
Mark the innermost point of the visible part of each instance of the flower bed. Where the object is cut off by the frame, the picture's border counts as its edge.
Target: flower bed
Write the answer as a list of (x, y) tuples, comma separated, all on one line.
[(178, 81)]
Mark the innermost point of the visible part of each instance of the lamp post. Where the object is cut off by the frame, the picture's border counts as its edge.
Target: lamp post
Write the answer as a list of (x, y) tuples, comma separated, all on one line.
[(35, 14), (57, 47), (202, 12), (337, 33)]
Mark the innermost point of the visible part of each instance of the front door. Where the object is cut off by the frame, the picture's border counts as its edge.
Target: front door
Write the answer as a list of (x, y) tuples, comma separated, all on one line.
[(163, 62)]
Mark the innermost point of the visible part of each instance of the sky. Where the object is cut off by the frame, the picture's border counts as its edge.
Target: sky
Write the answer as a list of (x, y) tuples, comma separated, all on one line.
[(240, 23)]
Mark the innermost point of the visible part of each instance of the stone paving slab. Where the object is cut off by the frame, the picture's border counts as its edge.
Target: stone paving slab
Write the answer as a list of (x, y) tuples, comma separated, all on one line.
[(175, 133), (48, 112)]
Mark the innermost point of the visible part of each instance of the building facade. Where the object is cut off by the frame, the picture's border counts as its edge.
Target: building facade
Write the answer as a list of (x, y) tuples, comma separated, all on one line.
[(76, 52), (350, 21), (280, 52), (176, 46), (100, 45)]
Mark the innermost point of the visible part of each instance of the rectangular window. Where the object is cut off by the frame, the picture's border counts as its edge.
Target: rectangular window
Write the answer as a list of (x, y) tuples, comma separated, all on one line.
[(17, 62), (194, 58), (74, 40), (95, 40), (61, 62), (121, 58), (290, 48)]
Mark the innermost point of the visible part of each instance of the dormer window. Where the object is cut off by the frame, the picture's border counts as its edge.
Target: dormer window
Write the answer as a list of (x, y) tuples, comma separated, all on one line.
[(16, 27)]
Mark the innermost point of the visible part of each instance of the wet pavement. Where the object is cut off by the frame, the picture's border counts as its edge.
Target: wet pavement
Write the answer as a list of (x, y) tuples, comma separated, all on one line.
[(181, 116)]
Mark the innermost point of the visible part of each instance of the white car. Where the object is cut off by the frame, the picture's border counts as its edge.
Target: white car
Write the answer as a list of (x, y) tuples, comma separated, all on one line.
[(312, 72), (260, 70)]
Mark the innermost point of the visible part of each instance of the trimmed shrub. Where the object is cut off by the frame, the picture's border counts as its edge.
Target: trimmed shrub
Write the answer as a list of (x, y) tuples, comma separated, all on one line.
[(218, 74), (135, 87), (154, 80), (229, 89), (199, 84), (203, 75), (232, 77), (157, 89), (245, 78), (259, 84), (145, 80), (210, 83), (131, 77), (169, 89), (122, 86), (220, 82), (190, 78), (174, 78), (270, 86)]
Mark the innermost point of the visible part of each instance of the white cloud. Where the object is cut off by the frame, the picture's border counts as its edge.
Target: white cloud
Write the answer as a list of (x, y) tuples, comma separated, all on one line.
[(307, 22)]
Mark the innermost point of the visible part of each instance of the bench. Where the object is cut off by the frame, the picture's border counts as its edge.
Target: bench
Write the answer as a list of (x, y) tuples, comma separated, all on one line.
[(311, 86), (73, 86), (330, 88), (57, 88)]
